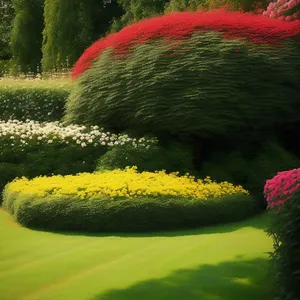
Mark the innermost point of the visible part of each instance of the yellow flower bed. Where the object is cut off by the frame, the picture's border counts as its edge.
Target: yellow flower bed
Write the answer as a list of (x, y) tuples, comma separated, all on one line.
[(123, 183)]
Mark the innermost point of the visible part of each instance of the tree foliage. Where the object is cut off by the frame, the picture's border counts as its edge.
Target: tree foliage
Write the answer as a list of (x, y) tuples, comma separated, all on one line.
[(135, 10), (67, 32), (245, 5), (71, 26), (26, 36), (183, 5), (6, 17)]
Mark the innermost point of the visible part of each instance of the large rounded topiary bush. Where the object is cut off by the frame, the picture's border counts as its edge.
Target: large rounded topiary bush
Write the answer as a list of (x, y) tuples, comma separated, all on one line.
[(195, 73), (124, 201)]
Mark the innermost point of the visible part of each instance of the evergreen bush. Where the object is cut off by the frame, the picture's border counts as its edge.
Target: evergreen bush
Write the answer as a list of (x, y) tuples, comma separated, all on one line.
[(68, 31), (271, 158), (26, 36)]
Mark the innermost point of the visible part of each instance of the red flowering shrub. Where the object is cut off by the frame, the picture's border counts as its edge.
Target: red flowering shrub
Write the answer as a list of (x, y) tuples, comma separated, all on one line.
[(284, 228), (216, 72), (176, 26), (280, 188), (193, 76)]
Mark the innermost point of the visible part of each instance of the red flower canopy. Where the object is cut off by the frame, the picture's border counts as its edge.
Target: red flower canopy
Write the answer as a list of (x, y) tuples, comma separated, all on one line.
[(256, 28)]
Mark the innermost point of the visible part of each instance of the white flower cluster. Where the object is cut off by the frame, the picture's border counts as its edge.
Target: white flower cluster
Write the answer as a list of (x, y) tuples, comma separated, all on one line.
[(20, 133)]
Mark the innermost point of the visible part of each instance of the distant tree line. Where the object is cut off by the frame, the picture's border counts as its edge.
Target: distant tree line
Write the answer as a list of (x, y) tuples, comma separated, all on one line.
[(50, 35)]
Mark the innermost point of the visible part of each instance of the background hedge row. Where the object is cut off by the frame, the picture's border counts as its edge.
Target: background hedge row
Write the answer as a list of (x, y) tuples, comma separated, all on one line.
[(39, 100), (121, 215)]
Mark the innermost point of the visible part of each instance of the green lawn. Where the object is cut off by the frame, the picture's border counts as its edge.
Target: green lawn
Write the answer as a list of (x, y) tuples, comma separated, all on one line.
[(218, 263)]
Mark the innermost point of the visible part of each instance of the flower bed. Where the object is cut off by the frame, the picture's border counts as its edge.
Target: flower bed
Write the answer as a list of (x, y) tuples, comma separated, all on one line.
[(124, 200), (31, 148)]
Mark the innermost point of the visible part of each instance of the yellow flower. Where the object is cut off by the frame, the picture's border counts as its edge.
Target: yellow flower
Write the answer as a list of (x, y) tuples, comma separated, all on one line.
[(126, 183)]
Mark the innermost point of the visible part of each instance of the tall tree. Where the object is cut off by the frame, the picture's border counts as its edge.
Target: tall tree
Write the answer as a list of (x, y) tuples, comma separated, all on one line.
[(26, 35), (71, 26), (135, 10), (67, 32), (6, 17)]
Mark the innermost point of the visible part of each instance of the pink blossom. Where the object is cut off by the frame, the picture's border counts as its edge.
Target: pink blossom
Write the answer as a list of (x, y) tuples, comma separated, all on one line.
[(281, 187), (277, 9)]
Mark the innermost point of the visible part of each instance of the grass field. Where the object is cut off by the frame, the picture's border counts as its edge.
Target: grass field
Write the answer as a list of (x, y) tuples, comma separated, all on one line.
[(218, 263), (50, 83)]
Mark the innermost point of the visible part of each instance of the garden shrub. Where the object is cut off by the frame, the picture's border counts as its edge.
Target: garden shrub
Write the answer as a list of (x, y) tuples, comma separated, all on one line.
[(250, 170), (31, 148), (283, 194), (33, 99), (124, 201), (26, 36), (185, 73), (229, 166), (172, 158)]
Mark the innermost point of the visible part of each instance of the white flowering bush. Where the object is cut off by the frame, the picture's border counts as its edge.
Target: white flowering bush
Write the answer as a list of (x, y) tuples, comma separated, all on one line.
[(19, 134), (41, 100)]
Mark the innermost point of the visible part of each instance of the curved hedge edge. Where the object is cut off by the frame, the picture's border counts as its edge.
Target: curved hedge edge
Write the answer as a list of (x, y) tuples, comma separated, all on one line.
[(125, 215)]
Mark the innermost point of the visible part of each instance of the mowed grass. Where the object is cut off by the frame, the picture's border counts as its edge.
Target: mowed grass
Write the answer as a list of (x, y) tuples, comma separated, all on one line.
[(228, 262), (57, 82)]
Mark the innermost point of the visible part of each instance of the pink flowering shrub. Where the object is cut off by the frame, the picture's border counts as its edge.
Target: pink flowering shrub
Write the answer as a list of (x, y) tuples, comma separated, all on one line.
[(285, 10), (281, 187)]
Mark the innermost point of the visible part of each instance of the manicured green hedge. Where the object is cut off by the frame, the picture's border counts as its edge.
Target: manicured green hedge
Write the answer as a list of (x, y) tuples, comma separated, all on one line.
[(39, 100), (141, 214), (125, 200)]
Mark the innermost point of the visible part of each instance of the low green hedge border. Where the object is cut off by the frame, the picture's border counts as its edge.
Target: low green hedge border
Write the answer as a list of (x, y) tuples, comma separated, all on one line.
[(42, 101), (125, 215)]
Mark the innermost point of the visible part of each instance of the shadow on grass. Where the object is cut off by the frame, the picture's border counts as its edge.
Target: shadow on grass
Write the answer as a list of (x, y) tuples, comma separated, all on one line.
[(237, 280), (259, 221)]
